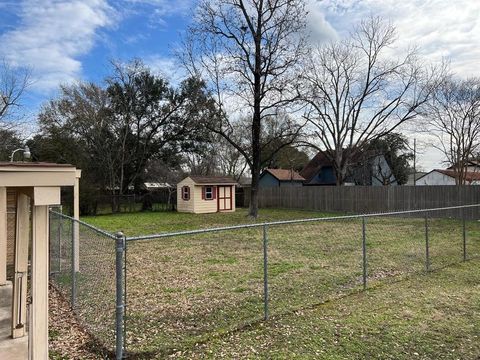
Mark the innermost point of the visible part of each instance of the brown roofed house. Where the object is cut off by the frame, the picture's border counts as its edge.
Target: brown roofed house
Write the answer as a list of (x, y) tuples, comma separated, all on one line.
[(280, 177), (447, 177)]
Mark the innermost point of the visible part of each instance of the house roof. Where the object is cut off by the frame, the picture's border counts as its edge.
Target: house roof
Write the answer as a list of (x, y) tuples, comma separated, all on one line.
[(417, 176), (320, 160), (157, 185), (470, 162), (211, 180), (285, 174), (469, 175), (314, 166)]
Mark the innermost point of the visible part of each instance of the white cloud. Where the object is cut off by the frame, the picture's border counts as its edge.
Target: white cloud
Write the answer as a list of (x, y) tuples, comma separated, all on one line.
[(320, 29), (440, 28), (51, 37), (166, 67), (160, 9)]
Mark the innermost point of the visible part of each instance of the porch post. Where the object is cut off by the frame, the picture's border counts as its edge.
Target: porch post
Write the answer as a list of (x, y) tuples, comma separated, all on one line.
[(3, 235), (39, 307), (76, 215), (19, 307)]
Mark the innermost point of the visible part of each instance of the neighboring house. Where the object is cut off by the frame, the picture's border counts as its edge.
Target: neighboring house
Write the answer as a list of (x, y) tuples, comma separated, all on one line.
[(156, 186), (206, 194), (280, 177), (367, 168), (413, 177), (470, 166), (447, 177)]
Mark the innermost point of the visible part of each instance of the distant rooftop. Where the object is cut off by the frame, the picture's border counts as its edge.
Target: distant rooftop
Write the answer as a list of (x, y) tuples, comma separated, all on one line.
[(210, 180), (285, 174), (469, 175)]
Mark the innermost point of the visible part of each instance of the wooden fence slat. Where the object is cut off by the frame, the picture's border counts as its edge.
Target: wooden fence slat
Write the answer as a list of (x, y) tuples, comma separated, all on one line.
[(367, 199)]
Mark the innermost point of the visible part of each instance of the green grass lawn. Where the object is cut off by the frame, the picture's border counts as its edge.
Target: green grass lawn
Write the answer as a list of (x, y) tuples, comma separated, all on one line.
[(144, 223), (202, 295), (434, 316)]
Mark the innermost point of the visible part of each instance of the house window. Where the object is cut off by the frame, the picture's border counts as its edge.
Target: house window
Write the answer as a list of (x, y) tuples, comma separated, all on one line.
[(208, 192), (186, 193)]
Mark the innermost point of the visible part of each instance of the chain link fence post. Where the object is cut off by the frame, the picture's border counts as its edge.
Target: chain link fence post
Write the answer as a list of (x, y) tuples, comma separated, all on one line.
[(464, 230), (125, 308), (74, 272), (427, 249), (119, 310), (364, 253), (59, 239), (265, 271)]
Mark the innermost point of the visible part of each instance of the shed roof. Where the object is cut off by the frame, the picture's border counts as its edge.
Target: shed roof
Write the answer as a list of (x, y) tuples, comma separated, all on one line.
[(213, 180), (285, 174)]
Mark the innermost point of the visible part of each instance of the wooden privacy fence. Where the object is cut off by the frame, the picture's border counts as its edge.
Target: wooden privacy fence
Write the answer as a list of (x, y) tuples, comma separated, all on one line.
[(369, 199)]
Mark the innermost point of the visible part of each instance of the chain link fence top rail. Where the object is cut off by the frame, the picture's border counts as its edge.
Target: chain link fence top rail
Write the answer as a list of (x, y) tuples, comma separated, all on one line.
[(184, 287), (90, 288)]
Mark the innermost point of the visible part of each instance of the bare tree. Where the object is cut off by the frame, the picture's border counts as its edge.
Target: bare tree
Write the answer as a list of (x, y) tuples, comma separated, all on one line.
[(357, 92), (13, 83), (218, 157), (247, 51), (453, 117), (230, 161)]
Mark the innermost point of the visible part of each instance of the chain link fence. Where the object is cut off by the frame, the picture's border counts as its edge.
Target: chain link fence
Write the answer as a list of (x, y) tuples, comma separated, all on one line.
[(183, 288), (83, 270)]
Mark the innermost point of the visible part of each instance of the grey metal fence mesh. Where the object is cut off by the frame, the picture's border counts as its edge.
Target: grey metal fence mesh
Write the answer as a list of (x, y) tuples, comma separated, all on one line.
[(395, 246), (473, 238), (61, 253), (309, 263), (93, 295), (445, 241), (183, 289)]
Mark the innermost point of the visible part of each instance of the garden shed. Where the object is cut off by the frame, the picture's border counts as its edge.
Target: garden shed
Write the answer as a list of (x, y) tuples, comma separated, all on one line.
[(206, 194)]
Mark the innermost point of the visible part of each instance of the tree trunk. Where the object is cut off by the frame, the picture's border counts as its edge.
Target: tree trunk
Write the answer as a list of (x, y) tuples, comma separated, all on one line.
[(340, 173), (253, 209), (256, 128), (256, 121)]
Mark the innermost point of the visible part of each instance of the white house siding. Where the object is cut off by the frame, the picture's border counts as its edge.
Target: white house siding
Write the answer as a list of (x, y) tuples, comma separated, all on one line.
[(436, 178)]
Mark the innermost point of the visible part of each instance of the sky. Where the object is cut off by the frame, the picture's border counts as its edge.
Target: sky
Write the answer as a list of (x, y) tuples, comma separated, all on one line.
[(62, 41)]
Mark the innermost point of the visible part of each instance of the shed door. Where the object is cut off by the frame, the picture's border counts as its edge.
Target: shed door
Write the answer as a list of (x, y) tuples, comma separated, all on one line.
[(224, 198)]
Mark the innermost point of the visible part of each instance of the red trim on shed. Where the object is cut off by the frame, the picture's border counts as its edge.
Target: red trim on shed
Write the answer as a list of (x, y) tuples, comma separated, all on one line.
[(185, 193)]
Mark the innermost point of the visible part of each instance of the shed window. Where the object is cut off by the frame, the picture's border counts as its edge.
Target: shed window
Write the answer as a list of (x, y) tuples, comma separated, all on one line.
[(208, 192), (186, 193)]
